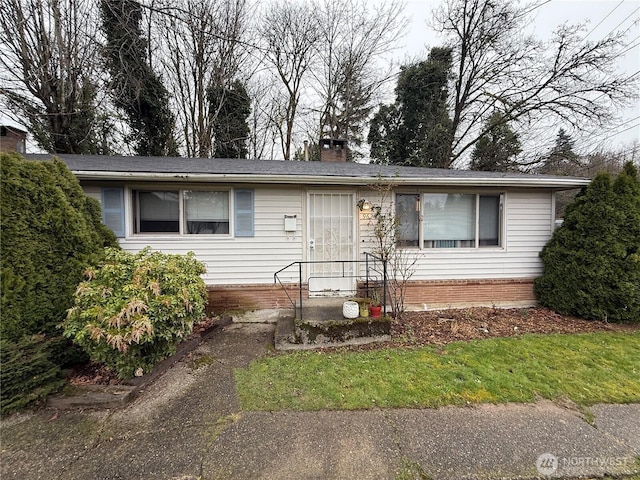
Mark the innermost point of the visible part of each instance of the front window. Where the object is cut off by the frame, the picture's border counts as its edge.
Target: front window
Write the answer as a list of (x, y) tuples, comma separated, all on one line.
[(206, 212), (181, 211), (449, 220), (158, 211)]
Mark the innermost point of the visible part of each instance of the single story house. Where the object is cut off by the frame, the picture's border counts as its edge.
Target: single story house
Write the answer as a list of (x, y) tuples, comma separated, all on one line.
[(475, 236)]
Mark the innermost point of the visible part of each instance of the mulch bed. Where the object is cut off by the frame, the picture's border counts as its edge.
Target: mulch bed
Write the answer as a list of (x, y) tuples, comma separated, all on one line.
[(446, 326)]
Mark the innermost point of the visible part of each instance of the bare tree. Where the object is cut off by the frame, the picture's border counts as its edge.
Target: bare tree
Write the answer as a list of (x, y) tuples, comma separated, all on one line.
[(355, 38), (49, 68), (290, 34), (385, 230), (263, 137), (203, 46), (497, 67)]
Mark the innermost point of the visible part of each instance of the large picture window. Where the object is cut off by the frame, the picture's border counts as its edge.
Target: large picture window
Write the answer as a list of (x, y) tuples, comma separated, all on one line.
[(191, 212), (449, 220)]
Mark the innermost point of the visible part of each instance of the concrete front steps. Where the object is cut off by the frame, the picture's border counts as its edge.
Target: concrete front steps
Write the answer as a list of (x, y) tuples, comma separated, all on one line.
[(323, 325)]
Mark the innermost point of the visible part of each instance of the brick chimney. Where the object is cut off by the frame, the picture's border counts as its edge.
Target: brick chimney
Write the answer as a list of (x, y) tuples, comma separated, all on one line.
[(12, 139), (333, 150)]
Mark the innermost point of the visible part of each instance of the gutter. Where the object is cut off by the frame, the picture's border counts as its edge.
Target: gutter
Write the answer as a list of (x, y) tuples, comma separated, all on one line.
[(533, 182)]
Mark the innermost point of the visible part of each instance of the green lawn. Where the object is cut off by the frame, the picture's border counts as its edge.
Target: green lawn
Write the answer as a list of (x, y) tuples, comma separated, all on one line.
[(585, 368)]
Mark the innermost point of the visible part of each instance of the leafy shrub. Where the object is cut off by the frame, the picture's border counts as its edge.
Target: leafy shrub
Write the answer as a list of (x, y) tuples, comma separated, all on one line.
[(592, 262), (132, 311)]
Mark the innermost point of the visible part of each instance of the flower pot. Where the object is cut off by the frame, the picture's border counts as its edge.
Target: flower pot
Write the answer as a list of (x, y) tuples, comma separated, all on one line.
[(364, 310), (376, 311), (350, 310)]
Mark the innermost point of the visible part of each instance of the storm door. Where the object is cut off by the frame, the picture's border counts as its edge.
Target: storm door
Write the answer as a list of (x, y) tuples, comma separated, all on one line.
[(331, 244)]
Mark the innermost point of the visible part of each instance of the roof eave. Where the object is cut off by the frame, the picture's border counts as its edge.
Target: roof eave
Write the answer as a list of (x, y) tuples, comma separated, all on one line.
[(555, 182)]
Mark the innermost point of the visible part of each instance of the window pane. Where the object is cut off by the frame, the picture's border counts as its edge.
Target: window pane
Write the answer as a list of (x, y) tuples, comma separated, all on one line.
[(449, 220), (206, 212), (244, 213), (159, 212), (112, 200), (408, 219), (489, 219)]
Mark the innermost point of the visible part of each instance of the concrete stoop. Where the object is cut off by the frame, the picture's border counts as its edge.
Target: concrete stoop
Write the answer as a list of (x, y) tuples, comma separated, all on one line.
[(324, 326)]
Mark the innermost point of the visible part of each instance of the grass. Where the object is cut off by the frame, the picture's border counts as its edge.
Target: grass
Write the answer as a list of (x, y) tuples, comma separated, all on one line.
[(584, 368)]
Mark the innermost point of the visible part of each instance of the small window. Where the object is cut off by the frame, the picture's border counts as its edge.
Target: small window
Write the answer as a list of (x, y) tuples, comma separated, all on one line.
[(244, 213), (408, 215), (489, 221)]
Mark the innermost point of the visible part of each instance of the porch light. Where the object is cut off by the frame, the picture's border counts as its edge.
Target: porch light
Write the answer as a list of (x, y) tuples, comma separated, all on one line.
[(364, 205)]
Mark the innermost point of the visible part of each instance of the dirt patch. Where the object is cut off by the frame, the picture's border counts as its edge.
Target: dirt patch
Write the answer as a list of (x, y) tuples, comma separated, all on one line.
[(440, 327)]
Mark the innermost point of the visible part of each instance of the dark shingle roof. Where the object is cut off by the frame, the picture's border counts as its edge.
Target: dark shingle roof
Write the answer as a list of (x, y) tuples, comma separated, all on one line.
[(119, 167)]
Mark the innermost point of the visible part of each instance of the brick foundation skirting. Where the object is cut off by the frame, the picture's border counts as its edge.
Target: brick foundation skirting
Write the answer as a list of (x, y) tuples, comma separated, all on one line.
[(457, 293), (420, 294), (251, 297)]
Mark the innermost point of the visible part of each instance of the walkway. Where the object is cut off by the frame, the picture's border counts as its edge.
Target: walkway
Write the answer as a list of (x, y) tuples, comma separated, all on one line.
[(188, 426)]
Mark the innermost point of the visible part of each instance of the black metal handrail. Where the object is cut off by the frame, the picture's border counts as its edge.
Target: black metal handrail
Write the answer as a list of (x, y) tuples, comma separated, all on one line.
[(371, 268)]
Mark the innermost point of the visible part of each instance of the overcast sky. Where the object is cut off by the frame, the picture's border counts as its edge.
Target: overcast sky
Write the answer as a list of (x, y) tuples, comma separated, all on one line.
[(602, 17)]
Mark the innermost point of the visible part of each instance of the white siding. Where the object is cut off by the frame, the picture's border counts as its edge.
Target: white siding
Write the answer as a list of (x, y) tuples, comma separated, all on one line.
[(528, 219), (243, 260), (254, 260)]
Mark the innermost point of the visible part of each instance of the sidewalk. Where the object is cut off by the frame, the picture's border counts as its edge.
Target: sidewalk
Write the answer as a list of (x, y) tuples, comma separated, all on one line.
[(187, 425)]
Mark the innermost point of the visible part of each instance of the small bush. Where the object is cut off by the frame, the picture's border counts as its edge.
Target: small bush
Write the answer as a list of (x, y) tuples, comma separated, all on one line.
[(27, 372), (132, 311), (592, 262)]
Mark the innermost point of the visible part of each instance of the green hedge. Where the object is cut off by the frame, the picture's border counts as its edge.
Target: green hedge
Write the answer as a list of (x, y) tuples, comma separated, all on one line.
[(51, 232), (592, 262), (27, 373)]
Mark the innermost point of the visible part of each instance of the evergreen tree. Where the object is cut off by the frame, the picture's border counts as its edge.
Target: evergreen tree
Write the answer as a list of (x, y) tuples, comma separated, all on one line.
[(384, 134), (230, 127), (137, 90), (562, 159), (592, 263), (51, 232), (416, 129), (497, 147)]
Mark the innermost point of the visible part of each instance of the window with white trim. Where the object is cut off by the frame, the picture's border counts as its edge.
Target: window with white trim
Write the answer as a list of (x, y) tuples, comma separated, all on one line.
[(190, 212), (206, 212), (450, 220)]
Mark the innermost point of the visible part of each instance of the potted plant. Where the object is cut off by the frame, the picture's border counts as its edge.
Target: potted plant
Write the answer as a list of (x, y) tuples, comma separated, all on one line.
[(376, 306), (364, 306)]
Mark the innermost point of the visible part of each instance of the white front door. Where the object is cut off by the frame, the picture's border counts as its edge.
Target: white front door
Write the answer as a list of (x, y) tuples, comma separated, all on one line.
[(331, 240)]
